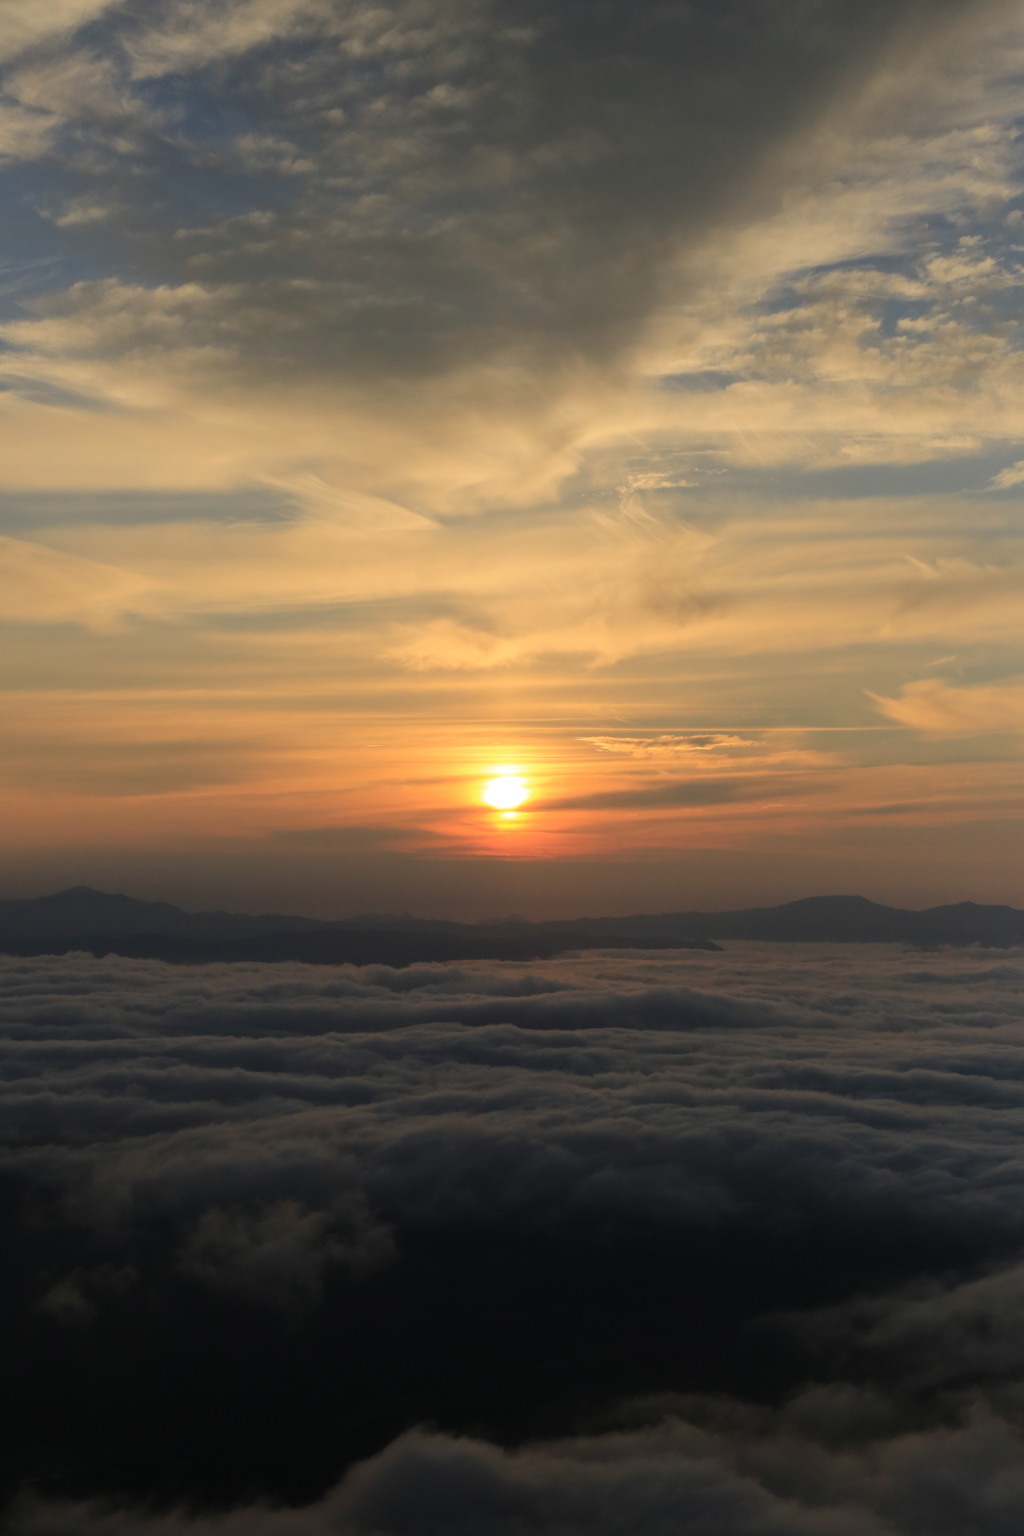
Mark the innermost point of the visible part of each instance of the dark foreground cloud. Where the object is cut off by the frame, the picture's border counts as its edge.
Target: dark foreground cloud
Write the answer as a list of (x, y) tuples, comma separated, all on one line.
[(622, 1243), (755, 1481)]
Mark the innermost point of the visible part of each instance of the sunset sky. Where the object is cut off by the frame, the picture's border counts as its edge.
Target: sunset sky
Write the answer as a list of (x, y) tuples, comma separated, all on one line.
[(629, 399)]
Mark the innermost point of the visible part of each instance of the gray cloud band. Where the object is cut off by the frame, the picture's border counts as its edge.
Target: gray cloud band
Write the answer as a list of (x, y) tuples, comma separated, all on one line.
[(696, 791), (418, 187)]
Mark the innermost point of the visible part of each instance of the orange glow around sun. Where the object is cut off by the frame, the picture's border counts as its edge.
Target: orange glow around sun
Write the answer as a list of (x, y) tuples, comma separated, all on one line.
[(506, 791)]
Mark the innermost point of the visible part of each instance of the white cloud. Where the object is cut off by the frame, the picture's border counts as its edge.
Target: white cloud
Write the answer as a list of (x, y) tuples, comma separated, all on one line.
[(22, 25), (81, 210), (1009, 477), (47, 586), (200, 31), (932, 706)]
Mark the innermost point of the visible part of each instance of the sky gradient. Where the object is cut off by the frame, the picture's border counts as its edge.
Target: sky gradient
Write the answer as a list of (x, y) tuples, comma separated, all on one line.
[(629, 396)]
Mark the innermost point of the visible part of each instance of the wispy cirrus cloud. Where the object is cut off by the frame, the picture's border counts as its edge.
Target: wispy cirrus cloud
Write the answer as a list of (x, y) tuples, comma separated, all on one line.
[(933, 706), (697, 790)]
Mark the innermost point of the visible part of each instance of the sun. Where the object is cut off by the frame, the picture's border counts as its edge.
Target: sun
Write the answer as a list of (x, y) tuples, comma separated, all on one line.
[(506, 792)]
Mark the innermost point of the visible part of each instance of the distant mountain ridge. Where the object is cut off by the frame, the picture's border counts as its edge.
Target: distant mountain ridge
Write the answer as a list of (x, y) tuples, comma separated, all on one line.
[(104, 923), (835, 919)]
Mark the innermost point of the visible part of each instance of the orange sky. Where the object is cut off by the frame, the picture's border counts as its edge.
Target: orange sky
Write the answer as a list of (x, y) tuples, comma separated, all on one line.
[(699, 506)]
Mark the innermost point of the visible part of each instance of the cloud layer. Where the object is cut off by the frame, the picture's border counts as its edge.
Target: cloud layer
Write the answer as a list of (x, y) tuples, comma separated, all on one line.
[(731, 1233)]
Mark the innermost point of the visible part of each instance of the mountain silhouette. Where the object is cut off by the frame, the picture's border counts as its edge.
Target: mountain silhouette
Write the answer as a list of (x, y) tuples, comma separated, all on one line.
[(102, 923)]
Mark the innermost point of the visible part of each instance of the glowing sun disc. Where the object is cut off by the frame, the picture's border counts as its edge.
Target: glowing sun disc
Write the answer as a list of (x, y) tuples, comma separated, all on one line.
[(506, 792)]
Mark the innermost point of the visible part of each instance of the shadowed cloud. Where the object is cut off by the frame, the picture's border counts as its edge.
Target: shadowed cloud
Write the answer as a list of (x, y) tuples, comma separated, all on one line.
[(693, 791), (745, 1227)]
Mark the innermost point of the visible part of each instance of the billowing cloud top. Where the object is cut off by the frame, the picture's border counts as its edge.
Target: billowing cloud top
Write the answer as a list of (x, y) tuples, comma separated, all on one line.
[(598, 1246)]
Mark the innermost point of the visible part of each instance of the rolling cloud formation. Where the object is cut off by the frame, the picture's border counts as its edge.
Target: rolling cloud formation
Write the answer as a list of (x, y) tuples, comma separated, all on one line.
[(611, 1244)]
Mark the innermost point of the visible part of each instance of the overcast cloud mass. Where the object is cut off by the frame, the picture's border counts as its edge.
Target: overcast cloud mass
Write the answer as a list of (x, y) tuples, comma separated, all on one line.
[(619, 1243)]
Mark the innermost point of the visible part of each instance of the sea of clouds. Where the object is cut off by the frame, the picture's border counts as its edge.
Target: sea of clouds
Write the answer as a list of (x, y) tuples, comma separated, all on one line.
[(617, 1243)]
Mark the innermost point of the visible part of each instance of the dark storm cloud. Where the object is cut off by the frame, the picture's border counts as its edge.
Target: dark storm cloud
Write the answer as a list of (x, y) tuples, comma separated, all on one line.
[(411, 187), (262, 1220)]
